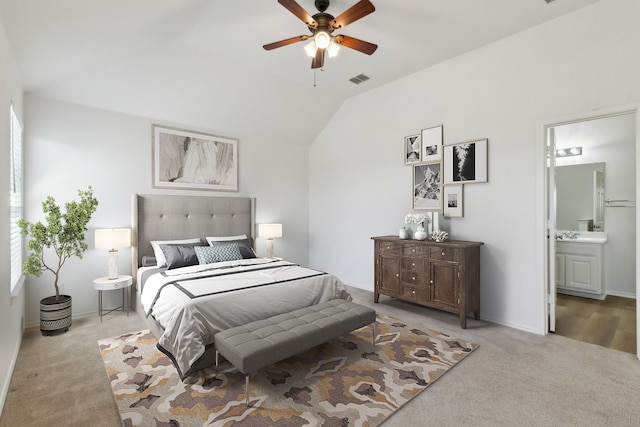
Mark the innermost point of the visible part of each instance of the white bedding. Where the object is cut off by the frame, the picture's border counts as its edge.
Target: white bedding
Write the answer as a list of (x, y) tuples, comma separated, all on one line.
[(192, 304)]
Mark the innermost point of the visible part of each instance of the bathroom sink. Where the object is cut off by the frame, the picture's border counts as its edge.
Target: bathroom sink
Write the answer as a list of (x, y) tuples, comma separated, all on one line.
[(584, 237)]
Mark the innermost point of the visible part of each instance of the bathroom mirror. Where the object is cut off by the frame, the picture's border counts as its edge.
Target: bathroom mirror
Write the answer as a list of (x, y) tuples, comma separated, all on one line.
[(580, 197)]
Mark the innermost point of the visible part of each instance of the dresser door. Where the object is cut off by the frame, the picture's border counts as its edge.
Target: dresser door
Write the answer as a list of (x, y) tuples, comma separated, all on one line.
[(443, 279), (389, 281)]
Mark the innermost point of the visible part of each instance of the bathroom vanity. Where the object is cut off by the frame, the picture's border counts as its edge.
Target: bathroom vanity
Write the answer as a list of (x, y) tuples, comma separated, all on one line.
[(580, 265)]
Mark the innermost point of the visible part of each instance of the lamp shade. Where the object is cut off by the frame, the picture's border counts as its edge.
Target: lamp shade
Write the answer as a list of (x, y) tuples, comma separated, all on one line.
[(270, 231), (113, 238)]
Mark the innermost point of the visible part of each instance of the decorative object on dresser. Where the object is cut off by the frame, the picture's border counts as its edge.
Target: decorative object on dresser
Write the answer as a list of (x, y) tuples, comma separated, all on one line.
[(439, 235), (419, 220), (64, 233), (270, 232), (445, 275), (111, 239)]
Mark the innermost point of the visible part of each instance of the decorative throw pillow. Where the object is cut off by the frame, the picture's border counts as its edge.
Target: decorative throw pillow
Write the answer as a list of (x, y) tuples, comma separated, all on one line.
[(211, 254), (155, 244), (180, 255), (244, 243)]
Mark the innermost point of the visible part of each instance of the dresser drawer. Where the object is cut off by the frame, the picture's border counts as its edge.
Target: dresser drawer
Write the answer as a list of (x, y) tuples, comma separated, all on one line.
[(415, 293), (414, 250), (443, 254), (413, 278), (389, 248), (416, 265)]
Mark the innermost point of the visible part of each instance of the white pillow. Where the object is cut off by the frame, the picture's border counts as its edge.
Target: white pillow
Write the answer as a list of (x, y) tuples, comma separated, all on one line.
[(224, 239), (161, 261)]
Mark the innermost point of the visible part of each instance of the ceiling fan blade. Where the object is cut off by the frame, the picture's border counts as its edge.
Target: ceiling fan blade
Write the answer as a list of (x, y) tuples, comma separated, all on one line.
[(285, 42), (297, 10), (318, 60), (355, 12), (356, 44)]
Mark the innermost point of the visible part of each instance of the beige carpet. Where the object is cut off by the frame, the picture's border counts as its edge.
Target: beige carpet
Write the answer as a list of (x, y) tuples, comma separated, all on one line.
[(344, 382)]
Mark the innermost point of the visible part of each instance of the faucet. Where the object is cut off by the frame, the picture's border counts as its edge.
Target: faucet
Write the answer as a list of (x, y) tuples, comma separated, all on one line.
[(571, 235)]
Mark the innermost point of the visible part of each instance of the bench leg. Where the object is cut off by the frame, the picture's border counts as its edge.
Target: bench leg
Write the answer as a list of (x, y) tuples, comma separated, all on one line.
[(246, 389), (217, 360)]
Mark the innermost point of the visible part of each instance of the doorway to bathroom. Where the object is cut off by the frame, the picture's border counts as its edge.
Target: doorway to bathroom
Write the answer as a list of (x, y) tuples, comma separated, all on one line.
[(591, 250)]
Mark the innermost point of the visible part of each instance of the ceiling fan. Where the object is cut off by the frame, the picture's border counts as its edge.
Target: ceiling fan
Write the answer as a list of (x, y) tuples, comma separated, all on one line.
[(322, 25)]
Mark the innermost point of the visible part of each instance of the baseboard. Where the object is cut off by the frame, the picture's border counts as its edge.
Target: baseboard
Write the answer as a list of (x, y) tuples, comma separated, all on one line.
[(621, 294), (9, 374)]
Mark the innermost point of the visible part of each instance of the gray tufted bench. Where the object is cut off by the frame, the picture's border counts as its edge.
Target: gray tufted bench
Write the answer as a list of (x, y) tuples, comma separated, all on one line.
[(258, 344)]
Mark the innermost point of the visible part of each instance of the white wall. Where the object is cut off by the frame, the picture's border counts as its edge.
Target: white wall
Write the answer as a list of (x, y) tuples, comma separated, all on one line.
[(505, 92), (69, 147), (11, 308)]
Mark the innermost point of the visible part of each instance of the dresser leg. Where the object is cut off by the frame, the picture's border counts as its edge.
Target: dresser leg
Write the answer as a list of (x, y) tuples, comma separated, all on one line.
[(463, 320), (376, 297), (476, 314)]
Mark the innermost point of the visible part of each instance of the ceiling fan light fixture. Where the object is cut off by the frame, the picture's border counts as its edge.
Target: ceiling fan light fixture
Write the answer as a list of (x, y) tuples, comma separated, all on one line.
[(322, 39), (333, 49), (311, 49)]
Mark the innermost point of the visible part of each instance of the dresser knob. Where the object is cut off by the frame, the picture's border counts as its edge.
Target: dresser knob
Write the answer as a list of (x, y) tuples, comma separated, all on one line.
[(413, 278), (431, 281), (413, 250), (413, 264), (397, 275), (116, 285), (414, 293), (442, 253)]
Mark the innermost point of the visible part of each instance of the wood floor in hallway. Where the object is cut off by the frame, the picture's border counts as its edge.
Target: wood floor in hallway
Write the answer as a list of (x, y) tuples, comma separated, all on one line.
[(610, 323)]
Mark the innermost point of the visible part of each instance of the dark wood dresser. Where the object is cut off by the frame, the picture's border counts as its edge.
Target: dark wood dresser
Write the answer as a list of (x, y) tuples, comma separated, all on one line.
[(445, 275)]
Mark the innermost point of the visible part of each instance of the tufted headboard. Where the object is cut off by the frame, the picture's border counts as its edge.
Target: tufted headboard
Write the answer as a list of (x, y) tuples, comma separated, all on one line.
[(170, 217)]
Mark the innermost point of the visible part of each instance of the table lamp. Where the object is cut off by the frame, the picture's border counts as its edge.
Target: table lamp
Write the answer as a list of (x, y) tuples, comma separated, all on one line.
[(112, 239), (270, 232)]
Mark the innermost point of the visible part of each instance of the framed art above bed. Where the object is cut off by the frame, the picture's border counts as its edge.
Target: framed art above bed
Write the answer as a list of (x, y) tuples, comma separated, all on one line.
[(193, 160)]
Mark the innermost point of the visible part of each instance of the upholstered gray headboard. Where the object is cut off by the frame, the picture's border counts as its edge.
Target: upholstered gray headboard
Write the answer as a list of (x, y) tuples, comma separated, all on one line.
[(170, 217)]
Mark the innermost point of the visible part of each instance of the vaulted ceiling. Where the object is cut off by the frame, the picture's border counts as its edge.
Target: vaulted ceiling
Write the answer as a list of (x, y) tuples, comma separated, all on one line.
[(201, 62)]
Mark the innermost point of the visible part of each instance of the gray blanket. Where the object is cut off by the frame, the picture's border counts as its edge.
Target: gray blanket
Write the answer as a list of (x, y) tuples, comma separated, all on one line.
[(192, 304)]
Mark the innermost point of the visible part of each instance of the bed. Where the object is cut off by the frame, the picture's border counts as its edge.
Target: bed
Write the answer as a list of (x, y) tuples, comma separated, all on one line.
[(186, 303)]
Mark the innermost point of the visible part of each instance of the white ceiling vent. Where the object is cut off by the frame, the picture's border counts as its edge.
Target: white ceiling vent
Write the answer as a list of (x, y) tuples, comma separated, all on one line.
[(359, 79)]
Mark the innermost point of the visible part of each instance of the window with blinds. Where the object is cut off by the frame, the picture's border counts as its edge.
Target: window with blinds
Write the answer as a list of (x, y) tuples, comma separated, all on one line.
[(15, 200)]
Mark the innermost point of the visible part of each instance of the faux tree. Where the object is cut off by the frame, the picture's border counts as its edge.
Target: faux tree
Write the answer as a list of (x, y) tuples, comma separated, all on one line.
[(63, 232)]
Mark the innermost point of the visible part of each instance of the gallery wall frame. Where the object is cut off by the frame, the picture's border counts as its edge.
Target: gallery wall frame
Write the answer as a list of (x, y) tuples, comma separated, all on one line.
[(466, 162), (431, 140), (427, 186), (184, 159), (412, 149), (453, 201)]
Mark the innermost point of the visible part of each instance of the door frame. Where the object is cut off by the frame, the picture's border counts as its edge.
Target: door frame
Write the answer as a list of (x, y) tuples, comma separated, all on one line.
[(543, 224)]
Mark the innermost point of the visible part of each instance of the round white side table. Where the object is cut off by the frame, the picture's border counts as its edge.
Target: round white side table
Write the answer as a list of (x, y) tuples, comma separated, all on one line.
[(105, 284)]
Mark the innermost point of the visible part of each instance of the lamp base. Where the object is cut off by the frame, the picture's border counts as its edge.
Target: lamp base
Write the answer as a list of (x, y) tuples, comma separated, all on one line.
[(269, 248), (112, 264)]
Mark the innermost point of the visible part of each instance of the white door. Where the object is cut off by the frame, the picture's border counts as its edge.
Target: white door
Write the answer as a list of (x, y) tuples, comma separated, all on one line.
[(551, 228)]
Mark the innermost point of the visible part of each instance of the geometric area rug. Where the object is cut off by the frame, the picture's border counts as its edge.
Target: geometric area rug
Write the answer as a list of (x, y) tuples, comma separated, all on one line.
[(345, 382)]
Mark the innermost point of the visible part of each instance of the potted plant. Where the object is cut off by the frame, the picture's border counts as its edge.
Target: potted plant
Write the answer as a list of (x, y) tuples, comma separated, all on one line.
[(64, 233)]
